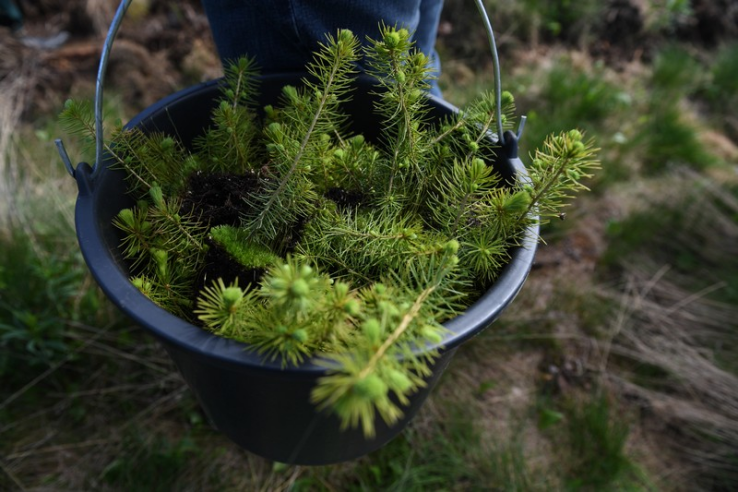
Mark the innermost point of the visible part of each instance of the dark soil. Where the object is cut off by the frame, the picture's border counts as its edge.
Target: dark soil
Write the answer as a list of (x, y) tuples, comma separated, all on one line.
[(219, 199), (219, 265), (345, 198), (222, 199)]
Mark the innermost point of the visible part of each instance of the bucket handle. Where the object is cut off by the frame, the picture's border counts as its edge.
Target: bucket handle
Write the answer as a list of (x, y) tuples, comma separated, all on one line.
[(107, 46), (113, 31)]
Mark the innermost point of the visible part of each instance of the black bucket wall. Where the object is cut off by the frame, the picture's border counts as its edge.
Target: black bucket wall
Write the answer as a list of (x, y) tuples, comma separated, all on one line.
[(261, 406)]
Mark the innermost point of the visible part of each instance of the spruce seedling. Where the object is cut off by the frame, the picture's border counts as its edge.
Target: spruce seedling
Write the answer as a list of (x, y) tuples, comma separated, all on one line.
[(295, 146), (366, 247)]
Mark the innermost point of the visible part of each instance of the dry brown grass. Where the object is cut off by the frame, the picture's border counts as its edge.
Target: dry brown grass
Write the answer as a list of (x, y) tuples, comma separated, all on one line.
[(79, 433), (12, 103), (668, 320), (695, 408), (101, 13), (37, 193)]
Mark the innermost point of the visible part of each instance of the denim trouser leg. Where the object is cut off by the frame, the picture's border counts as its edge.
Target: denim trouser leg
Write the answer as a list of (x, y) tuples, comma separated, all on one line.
[(282, 34)]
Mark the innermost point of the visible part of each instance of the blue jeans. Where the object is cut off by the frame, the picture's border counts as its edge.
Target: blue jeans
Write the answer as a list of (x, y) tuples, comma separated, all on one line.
[(282, 34)]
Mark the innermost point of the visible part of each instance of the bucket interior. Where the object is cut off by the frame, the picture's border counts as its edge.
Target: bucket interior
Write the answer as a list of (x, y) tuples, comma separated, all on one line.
[(185, 115)]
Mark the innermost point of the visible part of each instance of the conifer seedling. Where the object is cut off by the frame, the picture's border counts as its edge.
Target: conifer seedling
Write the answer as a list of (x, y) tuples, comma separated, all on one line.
[(282, 229)]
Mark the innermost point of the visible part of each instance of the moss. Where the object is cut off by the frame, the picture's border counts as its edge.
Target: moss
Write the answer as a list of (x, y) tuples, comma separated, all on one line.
[(235, 242)]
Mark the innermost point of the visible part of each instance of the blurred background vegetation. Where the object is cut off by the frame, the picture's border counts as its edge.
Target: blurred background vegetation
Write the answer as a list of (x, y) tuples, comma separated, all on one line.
[(615, 369)]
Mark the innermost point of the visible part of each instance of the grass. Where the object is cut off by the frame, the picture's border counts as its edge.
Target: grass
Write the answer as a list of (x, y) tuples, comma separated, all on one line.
[(720, 89), (666, 135), (597, 443), (677, 343), (692, 226), (665, 16), (451, 456), (34, 316), (675, 73), (150, 462), (574, 98), (566, 20), (46, 286), (723, 73)]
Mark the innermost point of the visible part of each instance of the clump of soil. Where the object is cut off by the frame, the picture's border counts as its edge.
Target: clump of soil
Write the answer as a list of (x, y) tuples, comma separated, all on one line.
[(220, 265), (219, 198), (222, 199), (345, 198)]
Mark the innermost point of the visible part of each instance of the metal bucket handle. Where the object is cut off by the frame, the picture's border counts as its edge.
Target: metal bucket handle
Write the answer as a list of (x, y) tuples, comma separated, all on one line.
[(112, 32)]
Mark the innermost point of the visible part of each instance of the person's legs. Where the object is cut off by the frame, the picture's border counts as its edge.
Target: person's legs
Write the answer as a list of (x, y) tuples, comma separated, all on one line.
[(263, 30), (426, 33), (282, 34)]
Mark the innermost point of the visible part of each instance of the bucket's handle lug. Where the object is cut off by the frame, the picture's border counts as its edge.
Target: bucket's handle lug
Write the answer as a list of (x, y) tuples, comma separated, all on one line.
[(64, 156), (510, 141), (521, 127)]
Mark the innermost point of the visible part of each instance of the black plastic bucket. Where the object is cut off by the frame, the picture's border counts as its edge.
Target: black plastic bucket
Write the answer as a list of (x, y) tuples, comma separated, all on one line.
[(261, 406)]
